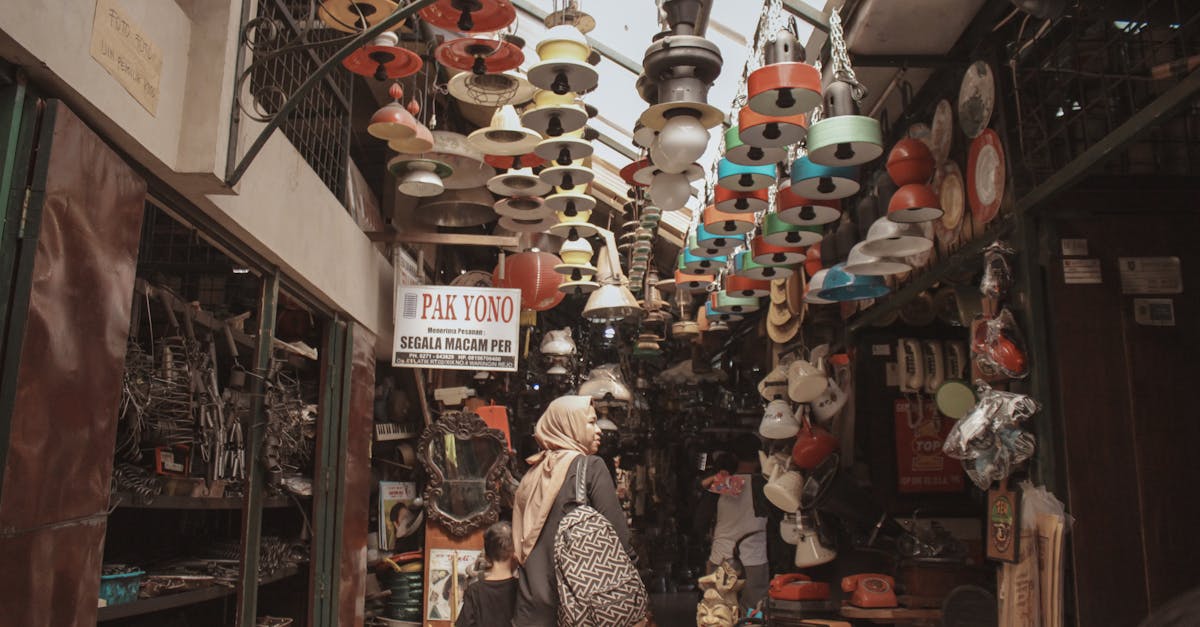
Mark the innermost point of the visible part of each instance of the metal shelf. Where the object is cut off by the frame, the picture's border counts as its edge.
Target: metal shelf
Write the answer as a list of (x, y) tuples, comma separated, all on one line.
[(191, 597), (165, 501)]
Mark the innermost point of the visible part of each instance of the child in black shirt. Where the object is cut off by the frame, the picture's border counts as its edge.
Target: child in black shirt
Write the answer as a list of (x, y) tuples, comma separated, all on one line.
[(491, 601)]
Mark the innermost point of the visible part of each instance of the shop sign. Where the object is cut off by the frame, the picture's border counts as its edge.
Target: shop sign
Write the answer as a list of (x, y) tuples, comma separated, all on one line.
[(127, 53), (921, 464), (1003, 523), (456, 328), (1150, 275)]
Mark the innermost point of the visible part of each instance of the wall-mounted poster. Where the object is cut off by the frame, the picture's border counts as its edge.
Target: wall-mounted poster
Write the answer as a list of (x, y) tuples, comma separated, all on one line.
[(400, 512), (450, 573)]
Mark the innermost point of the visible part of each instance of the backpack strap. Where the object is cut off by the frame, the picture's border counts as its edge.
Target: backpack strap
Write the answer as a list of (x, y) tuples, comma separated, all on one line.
[(581, 481)]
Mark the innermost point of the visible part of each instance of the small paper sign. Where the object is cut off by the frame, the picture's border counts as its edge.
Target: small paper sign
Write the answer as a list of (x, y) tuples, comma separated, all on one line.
[(1003, 523)]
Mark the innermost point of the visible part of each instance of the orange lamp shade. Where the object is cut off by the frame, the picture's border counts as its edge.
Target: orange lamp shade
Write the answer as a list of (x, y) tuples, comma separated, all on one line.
[(915, 202), (491, 16), (768, 131), (767, 254), (910, 161), (730, 201), (746, 286), (720, 222), (812, 261), (533, 274)]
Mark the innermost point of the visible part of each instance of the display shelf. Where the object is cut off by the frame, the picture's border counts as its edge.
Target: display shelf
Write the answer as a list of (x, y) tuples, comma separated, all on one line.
[(191, 597), (198, 316), (166, 501)]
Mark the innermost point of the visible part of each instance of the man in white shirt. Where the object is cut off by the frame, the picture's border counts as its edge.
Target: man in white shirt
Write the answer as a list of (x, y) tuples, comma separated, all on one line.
[(742, 520)]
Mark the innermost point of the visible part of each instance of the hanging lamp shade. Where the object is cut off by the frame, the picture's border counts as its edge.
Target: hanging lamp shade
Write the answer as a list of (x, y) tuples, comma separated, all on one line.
[(744, 265), (393, 121), (812, 292), (564, 66), (744, 154), (795, 209), (844, 138), (860, 263), (712, 314), (779, 233), (383, 59), (528, 207), (822, 182), (419, 177), (768, 131), (481, 56), (646, 175), (571, 175), (470, 169), (841, 286), (724, 302), (730, 201), (746, 286), (722, 243), (574, 227), (522, 182), (583, 286), (887, 238), (744, 178), (555, 115), (570, 201), (680, 142), (533, 224), (613, 302), (721, 223), (670, 191), (576, 259), (812, 260), (692, 283), (630, 173), (700, 265), (785, 85), (914, 202), (491, 90), (505, 136), (910, 161), (533, 274), (766, 253), (693, 245), (651, 216), (470, 16), (565, 148), (421, 141), (353, 16)]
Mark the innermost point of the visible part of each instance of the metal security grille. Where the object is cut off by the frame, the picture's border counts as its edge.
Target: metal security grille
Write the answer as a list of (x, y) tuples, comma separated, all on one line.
[(288, 44), (1077, 80)]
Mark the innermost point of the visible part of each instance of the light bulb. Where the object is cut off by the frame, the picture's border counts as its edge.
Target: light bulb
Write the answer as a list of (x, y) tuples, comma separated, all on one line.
[(669, 191), (681, 142)]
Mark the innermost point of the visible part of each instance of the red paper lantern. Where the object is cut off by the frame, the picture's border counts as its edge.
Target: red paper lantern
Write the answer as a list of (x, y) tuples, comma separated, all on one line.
[(533, 274)]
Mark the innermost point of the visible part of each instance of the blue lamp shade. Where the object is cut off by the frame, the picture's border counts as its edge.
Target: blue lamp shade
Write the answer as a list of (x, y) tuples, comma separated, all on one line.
[(697, 248), (744, 178), (823, 182), (701, 265), (720, 242), (841, 286)]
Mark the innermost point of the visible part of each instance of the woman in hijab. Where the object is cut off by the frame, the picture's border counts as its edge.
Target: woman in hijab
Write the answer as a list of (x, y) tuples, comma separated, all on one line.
[(565, 431)]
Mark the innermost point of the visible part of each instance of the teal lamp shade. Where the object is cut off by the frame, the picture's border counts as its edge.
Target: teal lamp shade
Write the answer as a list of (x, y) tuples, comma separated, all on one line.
[(844, 138), (812, 293), (744, 265), (720, 242), (701, 265), (712, 314), (744, 178), (841, 286), (744, 154), (822, 182), (724, 302)]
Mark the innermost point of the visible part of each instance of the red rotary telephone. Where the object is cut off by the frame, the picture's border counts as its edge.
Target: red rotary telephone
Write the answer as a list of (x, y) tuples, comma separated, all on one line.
[(798, 587), (870, 590)]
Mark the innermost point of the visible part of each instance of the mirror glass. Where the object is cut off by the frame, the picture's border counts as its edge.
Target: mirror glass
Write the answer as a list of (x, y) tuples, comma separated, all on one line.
[(465, 463)]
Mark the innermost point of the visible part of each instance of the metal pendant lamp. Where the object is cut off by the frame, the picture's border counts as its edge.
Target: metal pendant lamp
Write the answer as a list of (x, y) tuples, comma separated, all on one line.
[(786, 85), (744, 265), (767, 131), (470, 16), (720, 242), (910, 161), (505, 136), (858, 262), (482, 55), (844, 138), (574, 227), (724, 302), (393, 121), (812, 292), (744, 178), (779, 233), (887, 238), (766, 253), (744, 154), (795, 209), (383, 59), (693, 245), (422, 178), (730, 201), (564, 66), (555, 115), (519, 182), (841, 286), (571, 175), (692, 283), (651, 216), (421, 141), (530, 224), (700, 265), (612, 302), (571, 200), (523, 207), (576, 259), (712, 314), (721, 223), (746, 286), (915, 202), (822, 182), (565, 148)]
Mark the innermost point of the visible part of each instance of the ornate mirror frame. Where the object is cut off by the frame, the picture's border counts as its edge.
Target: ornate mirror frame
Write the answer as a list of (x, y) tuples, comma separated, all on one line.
[(466, 426)]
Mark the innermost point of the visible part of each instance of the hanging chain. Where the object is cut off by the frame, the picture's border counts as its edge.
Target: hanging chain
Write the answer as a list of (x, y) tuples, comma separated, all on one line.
[(840, 57), (775, 20)]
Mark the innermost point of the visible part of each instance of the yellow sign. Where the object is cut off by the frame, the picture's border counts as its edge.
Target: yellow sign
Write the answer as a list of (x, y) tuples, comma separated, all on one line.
[(128, 54)]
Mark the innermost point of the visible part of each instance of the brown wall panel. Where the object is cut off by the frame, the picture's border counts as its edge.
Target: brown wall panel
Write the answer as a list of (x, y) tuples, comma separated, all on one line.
[(356, 484), (69, 379)]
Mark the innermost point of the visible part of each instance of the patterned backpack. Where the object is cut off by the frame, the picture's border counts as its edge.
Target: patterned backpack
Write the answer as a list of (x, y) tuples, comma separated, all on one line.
[(598, 585)]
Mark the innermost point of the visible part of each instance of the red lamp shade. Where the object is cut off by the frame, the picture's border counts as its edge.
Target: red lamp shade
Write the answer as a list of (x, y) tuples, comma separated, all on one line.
[(812, 262), (771, 255), (914, 202), (730, 201), (490, 16), (480, 56), (527, 160), (910, 162), (533, 274), (757, 129), (746, 286)]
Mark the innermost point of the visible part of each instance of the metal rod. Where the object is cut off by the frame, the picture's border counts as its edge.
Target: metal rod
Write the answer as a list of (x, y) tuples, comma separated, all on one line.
[(450, 239), (617, 146), (816, 18), (316, 77), (606, 51)]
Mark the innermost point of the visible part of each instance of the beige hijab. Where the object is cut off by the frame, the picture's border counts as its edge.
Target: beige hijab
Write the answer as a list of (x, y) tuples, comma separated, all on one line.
[(563, 433)]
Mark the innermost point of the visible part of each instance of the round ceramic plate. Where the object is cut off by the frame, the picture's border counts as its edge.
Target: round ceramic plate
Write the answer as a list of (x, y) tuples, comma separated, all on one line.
[(985, 177), (921, 131), (976, 98), (941, 135), (948, 183)]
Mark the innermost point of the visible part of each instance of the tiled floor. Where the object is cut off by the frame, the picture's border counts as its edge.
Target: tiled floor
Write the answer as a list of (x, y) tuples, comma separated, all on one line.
[(674, 609)]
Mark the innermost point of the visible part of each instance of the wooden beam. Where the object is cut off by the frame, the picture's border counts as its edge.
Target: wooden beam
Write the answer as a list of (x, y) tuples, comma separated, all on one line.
[(450, 239)]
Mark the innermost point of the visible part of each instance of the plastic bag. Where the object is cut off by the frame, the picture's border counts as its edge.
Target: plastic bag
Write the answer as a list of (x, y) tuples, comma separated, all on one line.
[(558, 342), (1031, 591), (999, 347), (604, 381), (997, 271), (988, 439)]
